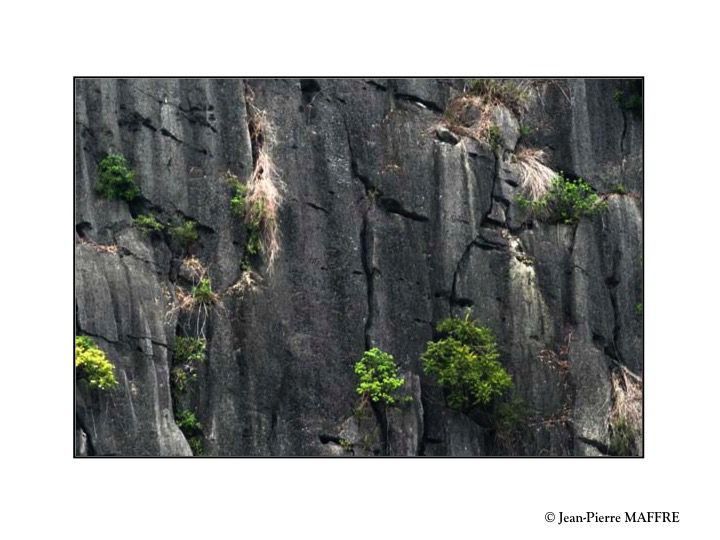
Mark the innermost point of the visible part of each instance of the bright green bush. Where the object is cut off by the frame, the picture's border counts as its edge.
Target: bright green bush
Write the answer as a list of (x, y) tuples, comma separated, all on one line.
[(378, 376), (186, 233), (567, 201), (148, 224), (93, 365), (115, 179), (465, 363), (190, 349), (187, 421)]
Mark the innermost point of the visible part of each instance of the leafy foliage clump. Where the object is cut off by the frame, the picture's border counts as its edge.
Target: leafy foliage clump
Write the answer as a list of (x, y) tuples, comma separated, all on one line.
[(253, 212), (191, 428), (187, 421), (115, 179), (622, 439), (202, 293), (378, 377), (185, 233), (148, 224), (465, 363), (93, 365), (239, 198), (566, 201), (190, 349)]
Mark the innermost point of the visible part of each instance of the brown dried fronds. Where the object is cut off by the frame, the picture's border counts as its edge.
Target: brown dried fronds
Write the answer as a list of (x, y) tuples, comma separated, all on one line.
[(263, 202), (513, 94), (249, 281), (469, 116), (627, 389), (536, 177), (264, 188), (184, 301), (194, 268), (558, 360), (101, 248), (195, 304)]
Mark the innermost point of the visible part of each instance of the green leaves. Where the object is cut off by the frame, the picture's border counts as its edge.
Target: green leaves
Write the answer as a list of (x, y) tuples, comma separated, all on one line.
[(237, 202), (191, 428), (93, 365), (115, 179), (186, 233), (203, 293), (148, 224), (465, 363), (567, 201), (378, 376), (190, 349)]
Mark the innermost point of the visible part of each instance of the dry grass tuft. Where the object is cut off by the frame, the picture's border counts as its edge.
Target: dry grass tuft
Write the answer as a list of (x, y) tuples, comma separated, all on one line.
[(536, 177), (100, 248), (469, 116), (264, 188), (249, 281), (196, 302), (194, 268), (627, 390), (513, 94)]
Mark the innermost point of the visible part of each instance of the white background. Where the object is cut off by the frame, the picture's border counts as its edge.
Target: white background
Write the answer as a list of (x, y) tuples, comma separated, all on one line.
[(45, 493)]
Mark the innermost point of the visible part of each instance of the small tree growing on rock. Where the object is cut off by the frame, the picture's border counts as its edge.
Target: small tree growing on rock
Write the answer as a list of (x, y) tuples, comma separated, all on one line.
[(115, 179), (378, 377), (465, 363)]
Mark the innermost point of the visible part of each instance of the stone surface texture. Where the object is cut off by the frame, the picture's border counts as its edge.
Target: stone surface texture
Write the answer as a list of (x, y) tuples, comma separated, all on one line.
[(390, 222)]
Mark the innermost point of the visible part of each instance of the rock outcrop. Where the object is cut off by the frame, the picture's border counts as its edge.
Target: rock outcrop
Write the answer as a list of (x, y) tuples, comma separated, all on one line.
[(391, 221)]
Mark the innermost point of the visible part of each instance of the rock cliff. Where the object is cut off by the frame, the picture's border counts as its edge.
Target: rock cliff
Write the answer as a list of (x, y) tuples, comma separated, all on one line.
[(395, 214)]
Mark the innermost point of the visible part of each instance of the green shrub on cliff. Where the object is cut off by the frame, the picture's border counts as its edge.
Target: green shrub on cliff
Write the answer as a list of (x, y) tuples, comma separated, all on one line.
[(378, 376), (567, 201), (189, 424), (92, 364), (189, 349), (148, 224), (115, 179), (185, 233), (465, 363), (203, 294)]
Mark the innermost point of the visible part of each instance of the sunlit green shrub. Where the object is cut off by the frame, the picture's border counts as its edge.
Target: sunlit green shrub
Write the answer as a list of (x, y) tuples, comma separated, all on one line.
[(92, 364), (566, 201), (465, 363), (190, 349), (378, 378)]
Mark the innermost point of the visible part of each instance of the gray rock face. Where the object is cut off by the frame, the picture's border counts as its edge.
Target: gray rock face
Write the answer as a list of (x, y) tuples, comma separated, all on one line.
[(390, 222)]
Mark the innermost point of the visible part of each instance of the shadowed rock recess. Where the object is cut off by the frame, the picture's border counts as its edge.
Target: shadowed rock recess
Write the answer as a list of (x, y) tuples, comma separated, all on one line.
[(392, 219)]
